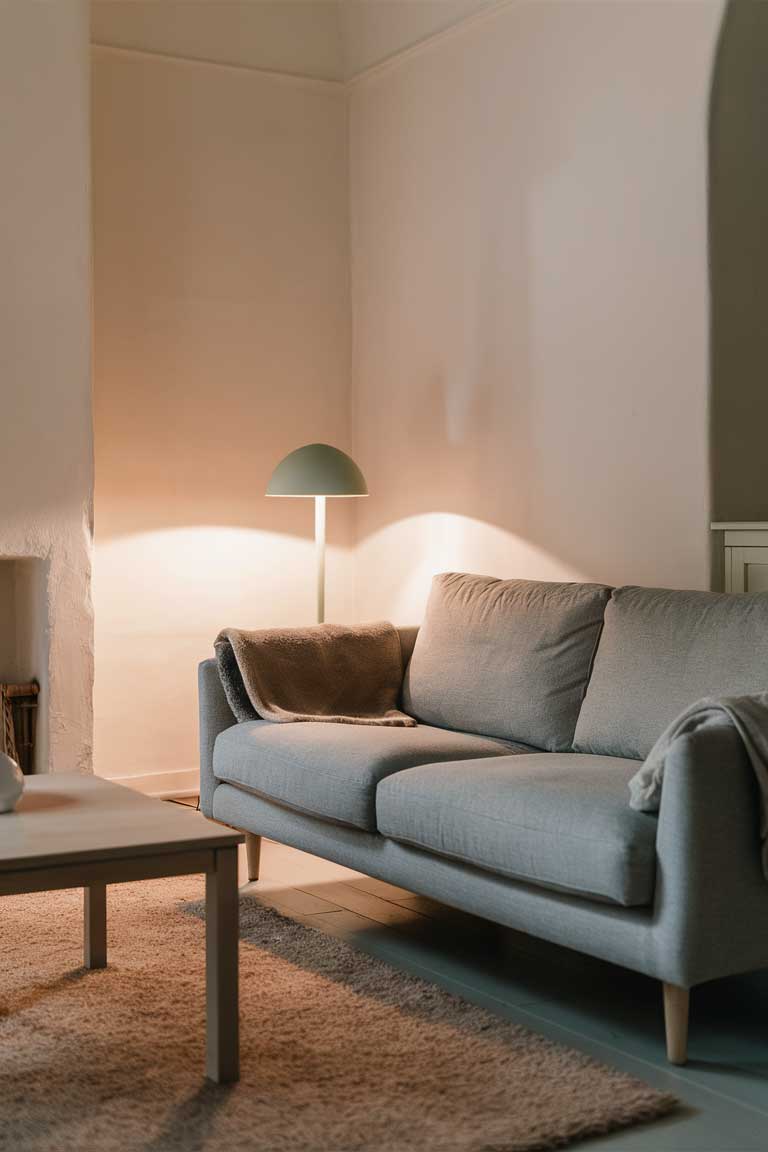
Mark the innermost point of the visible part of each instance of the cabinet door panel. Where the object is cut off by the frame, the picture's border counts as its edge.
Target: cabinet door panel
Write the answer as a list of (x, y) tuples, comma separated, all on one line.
[(749, 570), (756, 576)]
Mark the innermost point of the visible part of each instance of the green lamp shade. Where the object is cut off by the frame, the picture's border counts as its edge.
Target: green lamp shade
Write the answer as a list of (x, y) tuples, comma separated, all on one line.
[(317, 470)]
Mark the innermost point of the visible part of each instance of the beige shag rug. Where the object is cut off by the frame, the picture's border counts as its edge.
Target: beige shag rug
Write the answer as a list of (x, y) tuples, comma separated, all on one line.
[(340, 1052)]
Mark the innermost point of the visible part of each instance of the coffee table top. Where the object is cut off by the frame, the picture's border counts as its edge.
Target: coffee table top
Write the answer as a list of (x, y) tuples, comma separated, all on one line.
[(71, 819)]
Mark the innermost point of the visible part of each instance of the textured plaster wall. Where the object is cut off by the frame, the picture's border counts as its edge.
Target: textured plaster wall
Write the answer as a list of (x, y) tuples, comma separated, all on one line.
[(45, 400)]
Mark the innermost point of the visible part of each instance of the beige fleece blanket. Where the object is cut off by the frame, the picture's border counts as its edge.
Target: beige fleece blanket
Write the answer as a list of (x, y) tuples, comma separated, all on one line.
[(326, 672)]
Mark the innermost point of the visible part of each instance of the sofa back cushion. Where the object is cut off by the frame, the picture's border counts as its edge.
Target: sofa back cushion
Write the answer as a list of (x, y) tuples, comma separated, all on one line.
[(506, 658), (661, 650)]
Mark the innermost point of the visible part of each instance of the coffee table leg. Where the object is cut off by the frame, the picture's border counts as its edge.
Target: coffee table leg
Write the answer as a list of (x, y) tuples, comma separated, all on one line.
[(95, 926), (221, 956)]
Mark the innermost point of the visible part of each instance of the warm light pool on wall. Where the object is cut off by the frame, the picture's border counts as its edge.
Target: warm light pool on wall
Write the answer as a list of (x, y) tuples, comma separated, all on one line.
[(318, 470)]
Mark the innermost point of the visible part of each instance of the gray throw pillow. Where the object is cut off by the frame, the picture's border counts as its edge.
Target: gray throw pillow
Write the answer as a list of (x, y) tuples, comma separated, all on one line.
[(506, 658), (660, 651)]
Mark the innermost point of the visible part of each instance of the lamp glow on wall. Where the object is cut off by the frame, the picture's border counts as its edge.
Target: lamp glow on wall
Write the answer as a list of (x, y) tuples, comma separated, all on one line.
[(318, 470)]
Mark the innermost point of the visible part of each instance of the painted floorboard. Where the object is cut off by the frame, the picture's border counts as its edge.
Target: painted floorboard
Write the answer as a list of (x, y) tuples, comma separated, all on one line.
[(365, 903)]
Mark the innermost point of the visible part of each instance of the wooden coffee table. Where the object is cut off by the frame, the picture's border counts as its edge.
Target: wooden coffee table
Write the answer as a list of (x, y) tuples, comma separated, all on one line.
[(84, 832)]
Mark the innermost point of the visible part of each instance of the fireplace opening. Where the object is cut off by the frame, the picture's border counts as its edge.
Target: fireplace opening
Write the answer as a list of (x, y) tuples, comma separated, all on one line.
[(24, 660)]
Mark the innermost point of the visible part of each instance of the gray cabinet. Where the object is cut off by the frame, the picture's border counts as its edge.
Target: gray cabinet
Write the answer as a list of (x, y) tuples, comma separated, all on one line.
[(745, 556)]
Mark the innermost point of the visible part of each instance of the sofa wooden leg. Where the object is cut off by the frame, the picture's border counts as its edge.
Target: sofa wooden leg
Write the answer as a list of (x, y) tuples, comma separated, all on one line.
[(676, 1003), (253, 854)]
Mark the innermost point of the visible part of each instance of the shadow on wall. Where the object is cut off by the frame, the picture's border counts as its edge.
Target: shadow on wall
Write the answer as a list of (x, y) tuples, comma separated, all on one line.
[(738, 226)]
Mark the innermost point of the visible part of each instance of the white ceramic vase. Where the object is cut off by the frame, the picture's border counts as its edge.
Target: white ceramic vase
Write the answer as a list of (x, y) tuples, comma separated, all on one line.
[(11, 783)]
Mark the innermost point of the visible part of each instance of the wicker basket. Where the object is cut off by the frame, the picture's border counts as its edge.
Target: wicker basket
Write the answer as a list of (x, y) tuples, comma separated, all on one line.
[(18, 715)]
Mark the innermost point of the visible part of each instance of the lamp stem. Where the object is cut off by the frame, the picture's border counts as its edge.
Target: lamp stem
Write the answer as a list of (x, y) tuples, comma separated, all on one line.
[(320, 556)]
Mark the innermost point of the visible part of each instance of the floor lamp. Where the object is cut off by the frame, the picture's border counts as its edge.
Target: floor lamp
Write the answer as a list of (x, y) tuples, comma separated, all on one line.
[(318, 470)]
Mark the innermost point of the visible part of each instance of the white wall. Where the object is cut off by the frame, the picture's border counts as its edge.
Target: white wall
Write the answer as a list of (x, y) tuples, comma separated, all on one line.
[(302, 37), (530, 300), (222, 342), (529, 325), (375, 30), (325, 39), (45, 403)]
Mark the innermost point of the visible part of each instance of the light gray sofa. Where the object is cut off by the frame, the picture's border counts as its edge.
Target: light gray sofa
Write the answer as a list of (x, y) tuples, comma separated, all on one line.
[(536, 703)]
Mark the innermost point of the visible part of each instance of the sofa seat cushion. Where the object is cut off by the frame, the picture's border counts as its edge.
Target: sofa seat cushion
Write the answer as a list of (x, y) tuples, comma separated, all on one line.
[(506, 658), (556, 820), (332, 770)]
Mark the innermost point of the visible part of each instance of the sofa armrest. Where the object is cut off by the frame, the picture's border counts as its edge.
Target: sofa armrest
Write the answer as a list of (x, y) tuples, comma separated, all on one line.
[(712, 896), (215, 717)]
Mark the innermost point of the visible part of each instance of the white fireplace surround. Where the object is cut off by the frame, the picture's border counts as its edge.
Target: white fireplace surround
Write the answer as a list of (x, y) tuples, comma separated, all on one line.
[(46, 426)]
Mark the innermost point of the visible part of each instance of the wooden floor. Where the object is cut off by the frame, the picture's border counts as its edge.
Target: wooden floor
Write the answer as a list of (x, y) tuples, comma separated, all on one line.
[(597, 1008)]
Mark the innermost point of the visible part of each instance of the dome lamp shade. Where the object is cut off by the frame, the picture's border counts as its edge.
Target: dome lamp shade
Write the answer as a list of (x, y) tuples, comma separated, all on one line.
[(318, 470)]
